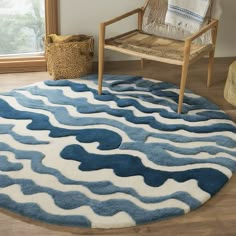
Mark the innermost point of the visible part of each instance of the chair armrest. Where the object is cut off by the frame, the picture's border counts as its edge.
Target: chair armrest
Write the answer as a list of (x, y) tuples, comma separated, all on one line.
[(138, 10), (213, 24)]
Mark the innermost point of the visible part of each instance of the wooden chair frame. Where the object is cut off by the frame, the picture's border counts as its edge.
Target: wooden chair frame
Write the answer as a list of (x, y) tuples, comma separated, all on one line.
[(212, 25)]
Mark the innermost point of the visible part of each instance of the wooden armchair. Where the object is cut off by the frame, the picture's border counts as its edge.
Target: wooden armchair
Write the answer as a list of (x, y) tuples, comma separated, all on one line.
[(155, 40)]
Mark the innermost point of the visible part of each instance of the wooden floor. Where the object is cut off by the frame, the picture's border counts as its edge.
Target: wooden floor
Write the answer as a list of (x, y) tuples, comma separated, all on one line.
[(217, 217)]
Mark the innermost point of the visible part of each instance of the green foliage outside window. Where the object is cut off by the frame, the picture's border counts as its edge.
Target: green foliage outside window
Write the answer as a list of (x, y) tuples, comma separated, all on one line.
[(21, 32)]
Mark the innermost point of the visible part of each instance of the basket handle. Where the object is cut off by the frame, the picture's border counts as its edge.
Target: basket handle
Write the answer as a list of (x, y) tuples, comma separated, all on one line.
[(91, 45)]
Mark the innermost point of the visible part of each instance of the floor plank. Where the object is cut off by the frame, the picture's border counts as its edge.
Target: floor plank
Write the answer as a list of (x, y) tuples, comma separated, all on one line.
[(216, 218)]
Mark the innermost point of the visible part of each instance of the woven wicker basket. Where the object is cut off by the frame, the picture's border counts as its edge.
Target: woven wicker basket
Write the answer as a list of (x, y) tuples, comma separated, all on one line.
[(69, 56)]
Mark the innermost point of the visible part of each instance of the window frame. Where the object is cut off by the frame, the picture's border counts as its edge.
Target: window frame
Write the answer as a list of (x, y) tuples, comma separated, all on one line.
[(30, 64)]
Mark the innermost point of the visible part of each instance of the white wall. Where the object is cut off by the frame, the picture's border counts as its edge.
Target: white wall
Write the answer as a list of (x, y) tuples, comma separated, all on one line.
[(84, 16), (226, 43)]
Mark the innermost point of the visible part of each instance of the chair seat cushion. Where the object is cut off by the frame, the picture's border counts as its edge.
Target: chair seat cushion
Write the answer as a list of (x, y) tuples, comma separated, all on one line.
[(146, 44)]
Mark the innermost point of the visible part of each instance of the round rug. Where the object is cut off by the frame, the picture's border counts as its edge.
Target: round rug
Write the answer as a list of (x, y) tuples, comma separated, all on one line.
[(71, 157)]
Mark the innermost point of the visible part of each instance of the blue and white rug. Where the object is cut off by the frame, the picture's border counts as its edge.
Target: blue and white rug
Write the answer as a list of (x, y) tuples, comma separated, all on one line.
[(71, 157)]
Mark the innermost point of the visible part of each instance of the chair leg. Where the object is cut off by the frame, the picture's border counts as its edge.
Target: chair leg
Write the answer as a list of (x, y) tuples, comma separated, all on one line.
[(182, 86), (100, 70), (101, 58), (210, 67), (142, 63), (212, 54)]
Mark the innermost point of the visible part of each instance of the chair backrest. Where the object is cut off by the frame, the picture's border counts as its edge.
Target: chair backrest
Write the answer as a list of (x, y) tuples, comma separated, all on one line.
[(154, 22)]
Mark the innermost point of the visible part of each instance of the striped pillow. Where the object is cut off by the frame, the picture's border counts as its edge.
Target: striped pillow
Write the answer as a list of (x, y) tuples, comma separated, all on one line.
[(187, 14)]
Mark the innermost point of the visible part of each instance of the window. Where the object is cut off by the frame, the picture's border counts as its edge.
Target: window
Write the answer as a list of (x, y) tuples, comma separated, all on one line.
[(23, 25), (22, 28)]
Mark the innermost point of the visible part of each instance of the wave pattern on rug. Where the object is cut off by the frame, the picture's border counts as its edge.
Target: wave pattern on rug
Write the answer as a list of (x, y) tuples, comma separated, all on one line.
[(71, 157)]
